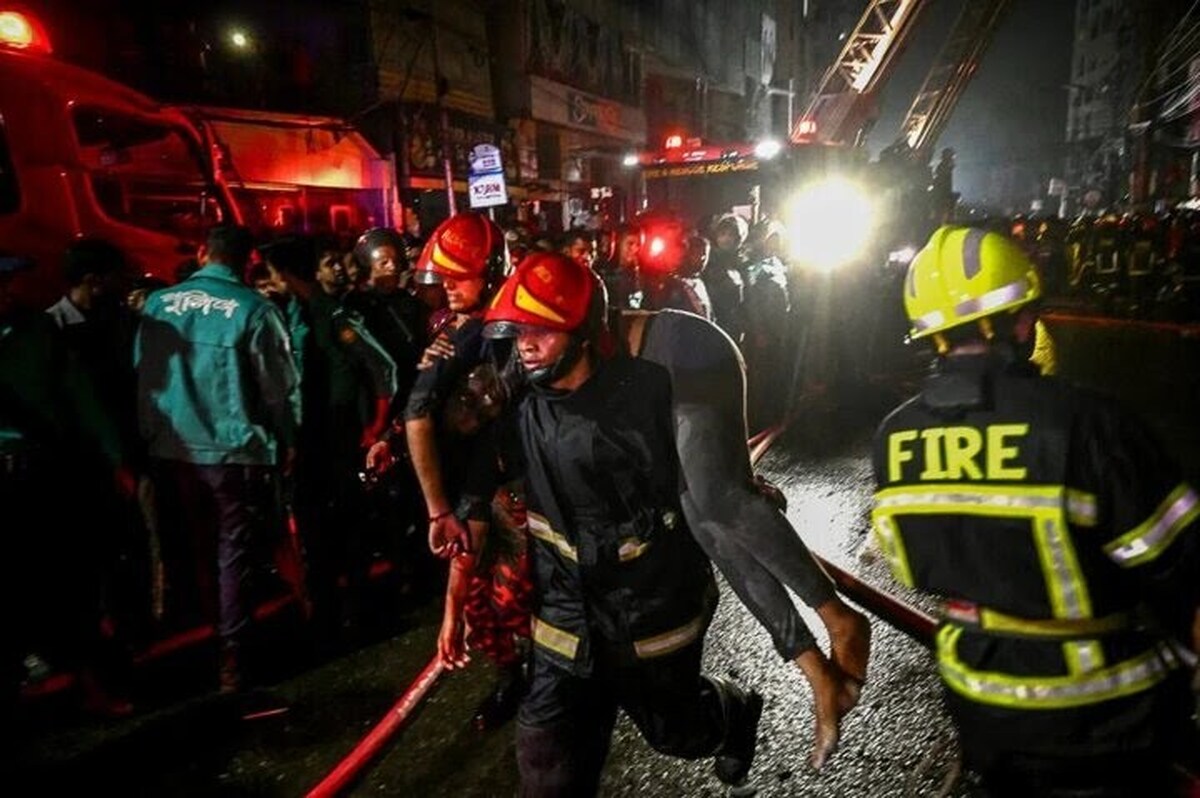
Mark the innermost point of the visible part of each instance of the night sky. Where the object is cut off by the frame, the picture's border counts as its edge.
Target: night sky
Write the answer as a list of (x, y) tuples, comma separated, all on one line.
[(1015, 109)]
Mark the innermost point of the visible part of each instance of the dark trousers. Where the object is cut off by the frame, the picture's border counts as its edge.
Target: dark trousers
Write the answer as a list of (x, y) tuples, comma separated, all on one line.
[(565, 723), (222, 510), (50, 584)]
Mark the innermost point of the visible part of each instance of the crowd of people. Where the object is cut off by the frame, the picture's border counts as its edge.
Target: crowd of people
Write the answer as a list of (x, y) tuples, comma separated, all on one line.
[(1136, 263), (553, 431)]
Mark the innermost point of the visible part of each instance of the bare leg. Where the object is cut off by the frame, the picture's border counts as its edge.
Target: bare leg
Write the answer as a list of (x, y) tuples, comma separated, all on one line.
[(849, 639), (833, 697)]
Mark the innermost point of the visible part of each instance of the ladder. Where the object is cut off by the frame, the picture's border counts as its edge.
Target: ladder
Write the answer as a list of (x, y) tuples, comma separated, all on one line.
[(948, 77), (843, 104)]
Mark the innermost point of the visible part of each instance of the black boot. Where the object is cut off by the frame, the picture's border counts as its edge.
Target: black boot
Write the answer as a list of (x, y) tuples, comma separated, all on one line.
[(742, 710), (501, 704)]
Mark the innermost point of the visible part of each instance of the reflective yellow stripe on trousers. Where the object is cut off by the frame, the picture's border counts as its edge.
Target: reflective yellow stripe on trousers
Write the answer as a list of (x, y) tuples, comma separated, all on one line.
[(1050, 692), (1048, 507)]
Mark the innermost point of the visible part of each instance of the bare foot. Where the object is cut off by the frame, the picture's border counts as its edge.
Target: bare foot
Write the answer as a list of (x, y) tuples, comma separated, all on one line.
[(849, 640), (833, 696)]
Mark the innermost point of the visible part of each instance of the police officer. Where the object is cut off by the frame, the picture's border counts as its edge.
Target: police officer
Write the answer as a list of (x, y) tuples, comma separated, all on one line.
[(1061, 538), (347, 388), (393, 316), (219, 410), (624, 594)]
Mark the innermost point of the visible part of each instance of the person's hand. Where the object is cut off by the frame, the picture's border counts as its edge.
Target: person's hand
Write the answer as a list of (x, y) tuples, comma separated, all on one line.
[(126, 483), (373, 432), (440, 349), (288, 466), (379, 457), (448, 537), (451, 645), (371, 435)]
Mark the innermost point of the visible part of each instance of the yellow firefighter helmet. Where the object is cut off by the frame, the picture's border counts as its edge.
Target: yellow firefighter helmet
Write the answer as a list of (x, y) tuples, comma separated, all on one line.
[(965, 274)]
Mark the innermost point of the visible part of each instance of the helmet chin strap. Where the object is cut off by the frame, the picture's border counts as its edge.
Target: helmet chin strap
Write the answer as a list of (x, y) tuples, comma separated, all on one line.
[(546, 376)]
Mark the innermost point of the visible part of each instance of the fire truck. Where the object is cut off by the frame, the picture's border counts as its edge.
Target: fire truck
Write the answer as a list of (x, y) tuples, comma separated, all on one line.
[(819, 182), (82, 155)]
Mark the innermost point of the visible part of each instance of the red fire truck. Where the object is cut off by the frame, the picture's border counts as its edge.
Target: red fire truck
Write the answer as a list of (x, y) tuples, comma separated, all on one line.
[(81, 155)]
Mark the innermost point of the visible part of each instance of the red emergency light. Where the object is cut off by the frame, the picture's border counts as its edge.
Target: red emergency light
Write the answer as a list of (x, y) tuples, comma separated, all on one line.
[(21, 31), (804, 129), (673, 142), (664, 243)]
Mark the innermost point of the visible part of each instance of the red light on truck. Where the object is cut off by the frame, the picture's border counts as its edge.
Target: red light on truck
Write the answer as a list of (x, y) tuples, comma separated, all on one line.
[(673, 142), (23, 32)]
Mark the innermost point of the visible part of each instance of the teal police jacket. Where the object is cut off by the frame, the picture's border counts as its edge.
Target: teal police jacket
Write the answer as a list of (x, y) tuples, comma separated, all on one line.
[(217, 381)]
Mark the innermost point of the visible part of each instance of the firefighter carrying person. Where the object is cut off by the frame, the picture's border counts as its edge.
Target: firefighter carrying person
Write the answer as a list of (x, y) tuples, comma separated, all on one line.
[(733, 517), (623, 594), (1059, 534)]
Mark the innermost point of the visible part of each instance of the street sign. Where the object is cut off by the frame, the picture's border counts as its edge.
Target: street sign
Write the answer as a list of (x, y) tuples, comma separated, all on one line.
[(486, 191), (485, 183), (485, 159)]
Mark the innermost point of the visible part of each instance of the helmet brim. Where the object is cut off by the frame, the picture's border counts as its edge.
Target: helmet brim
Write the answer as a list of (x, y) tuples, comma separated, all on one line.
[(502, 329)]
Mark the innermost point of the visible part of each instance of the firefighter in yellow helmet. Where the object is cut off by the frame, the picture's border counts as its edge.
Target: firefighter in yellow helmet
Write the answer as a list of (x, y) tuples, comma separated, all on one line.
[(1060, 538)]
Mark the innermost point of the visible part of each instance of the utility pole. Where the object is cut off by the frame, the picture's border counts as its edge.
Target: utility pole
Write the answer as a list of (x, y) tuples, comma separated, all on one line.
[(441, 89)]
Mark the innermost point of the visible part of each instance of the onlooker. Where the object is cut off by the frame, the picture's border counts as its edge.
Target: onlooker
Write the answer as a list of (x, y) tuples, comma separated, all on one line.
[(53, 433), (347, 388), (219, 408)]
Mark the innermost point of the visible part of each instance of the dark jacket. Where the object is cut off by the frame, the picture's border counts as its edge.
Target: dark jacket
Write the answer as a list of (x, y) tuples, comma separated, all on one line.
[(616, 569)]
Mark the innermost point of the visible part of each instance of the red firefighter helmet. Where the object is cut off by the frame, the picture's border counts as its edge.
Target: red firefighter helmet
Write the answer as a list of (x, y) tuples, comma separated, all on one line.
[(664, 243), (550, 291), (466, 246)]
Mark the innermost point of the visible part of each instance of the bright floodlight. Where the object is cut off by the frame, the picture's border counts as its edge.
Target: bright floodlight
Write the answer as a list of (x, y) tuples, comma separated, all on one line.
[(630, 159), (239, 39), (829, 223), (767, 149)]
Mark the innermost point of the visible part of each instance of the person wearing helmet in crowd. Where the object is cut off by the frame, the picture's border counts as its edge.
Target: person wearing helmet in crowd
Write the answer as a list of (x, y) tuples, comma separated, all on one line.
[(1059, 535), (467, 257), (734, 518), (348, 382), (392, 315), (725, 275), (623, 593), (668, 250)]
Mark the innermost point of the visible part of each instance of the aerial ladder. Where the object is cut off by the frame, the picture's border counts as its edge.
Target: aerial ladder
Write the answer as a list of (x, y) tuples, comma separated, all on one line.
[(951, 72), (843, 106)]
